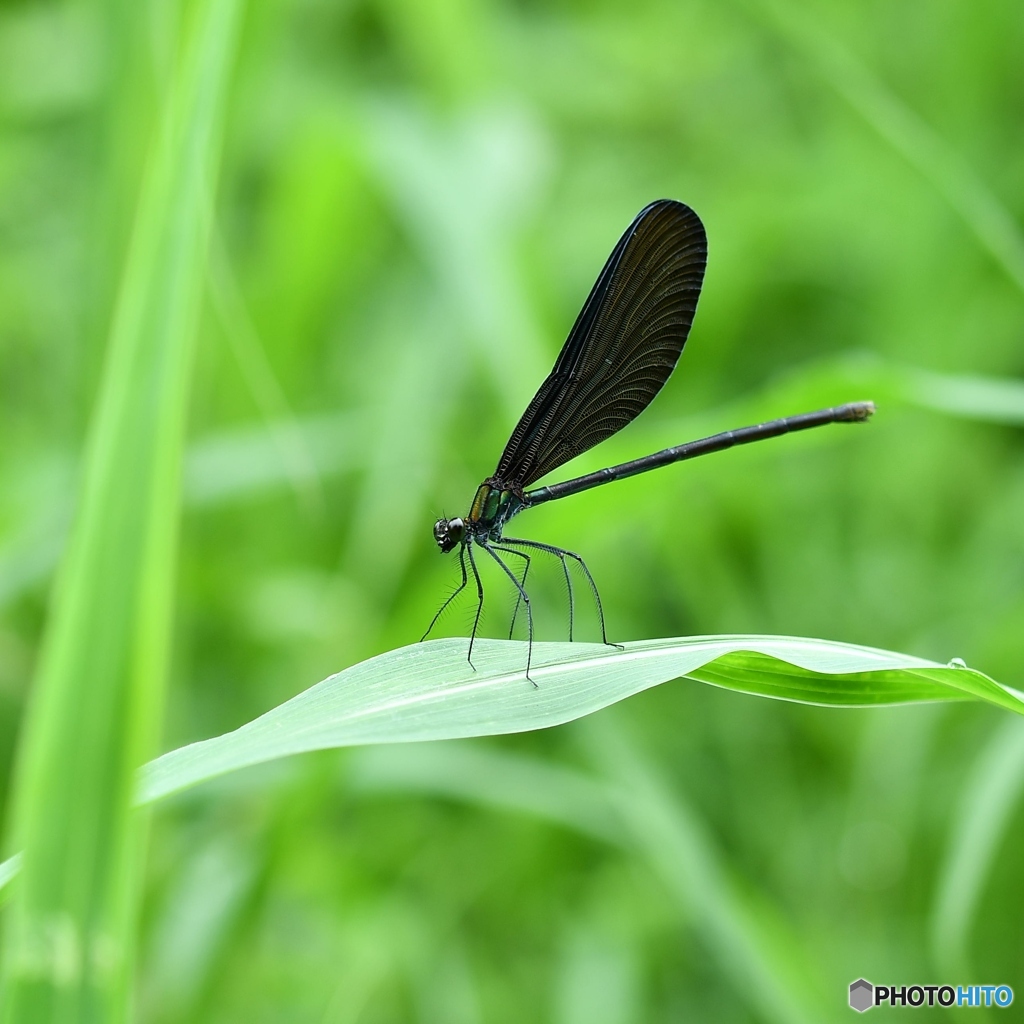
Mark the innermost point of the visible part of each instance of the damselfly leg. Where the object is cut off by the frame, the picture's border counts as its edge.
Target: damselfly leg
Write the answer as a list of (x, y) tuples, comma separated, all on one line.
[(563, 553)]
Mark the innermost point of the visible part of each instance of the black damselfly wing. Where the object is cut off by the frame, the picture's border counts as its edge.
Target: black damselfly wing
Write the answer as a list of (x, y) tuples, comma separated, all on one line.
[(621, 350)]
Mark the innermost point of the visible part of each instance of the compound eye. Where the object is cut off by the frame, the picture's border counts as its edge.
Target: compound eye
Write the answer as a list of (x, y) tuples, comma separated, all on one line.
[(448, 533)]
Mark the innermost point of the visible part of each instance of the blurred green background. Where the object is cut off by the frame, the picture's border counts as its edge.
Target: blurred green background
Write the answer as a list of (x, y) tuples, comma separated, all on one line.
[(415, 197)]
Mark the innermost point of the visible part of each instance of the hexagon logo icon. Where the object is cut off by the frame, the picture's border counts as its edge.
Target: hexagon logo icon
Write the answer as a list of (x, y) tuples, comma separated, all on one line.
[(862, 995)]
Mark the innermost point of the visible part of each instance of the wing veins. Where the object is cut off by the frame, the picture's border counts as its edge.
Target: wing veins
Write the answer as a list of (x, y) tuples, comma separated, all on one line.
[(622, 348)]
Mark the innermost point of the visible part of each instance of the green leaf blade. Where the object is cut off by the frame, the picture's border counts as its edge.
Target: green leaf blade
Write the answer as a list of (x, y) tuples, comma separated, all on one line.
[(96, 707), (429, 692)]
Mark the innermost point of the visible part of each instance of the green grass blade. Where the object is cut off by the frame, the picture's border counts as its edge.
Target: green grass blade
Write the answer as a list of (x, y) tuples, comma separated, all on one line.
[(752, 947), (428, 692), (9, 870), (292, 448), (484, 777), (964, 396), (985, 399), (992, 794), (98, 698), (985, 215), (629, 807)]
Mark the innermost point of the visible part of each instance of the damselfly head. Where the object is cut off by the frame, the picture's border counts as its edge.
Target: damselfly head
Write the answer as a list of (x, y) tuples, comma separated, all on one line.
[(448, 533)]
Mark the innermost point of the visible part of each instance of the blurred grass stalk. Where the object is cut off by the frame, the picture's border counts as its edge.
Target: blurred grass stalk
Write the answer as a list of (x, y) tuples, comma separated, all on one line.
[(96, 707), (984, 213)]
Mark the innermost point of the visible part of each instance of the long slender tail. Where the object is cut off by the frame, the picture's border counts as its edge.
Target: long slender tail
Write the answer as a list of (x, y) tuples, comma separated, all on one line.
[(852, 412)]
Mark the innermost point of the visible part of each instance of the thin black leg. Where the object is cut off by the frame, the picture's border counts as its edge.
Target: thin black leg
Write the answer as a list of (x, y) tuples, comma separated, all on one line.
[(560, 552), (572, 597), (522, 594), (522, 583), (479, 604), (451, 597), (560, 555)]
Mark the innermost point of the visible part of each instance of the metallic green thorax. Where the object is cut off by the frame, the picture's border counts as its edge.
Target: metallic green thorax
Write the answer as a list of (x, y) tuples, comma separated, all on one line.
[(492, 507)]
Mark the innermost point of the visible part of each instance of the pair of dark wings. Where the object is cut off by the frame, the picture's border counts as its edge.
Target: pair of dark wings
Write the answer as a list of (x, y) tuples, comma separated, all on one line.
[(621, 350)]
